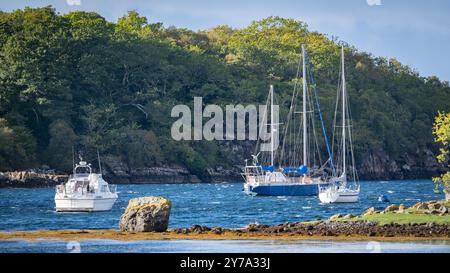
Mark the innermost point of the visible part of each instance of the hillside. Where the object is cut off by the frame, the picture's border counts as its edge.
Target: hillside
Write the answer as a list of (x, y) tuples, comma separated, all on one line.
[(77, 80)]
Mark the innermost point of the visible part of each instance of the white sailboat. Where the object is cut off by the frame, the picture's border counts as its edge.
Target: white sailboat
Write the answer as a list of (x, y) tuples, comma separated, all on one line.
[(340, 189), (296, 177)]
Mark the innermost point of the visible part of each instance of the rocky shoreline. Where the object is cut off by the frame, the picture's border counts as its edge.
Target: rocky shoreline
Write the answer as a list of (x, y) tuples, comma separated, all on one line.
[(330, 229), (376, 165), (148, 175), (30, 179), (147, 219), (326, 230)]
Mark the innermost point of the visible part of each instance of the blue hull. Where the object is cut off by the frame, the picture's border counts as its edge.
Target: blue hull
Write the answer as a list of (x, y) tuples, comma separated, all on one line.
[(285, 190)]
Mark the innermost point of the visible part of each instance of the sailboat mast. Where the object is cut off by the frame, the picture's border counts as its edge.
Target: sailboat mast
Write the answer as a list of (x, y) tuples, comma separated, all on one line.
[(271, 126), (305, 136), (99, 162), (343, 117)]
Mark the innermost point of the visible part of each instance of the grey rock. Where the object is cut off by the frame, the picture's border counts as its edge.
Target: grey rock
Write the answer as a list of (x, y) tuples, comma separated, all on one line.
[(348, 216), (336, 217), (391, 208), (370, 211), (146, 214)]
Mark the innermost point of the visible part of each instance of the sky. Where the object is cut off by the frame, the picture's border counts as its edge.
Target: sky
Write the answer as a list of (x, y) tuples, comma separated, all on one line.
[(415, 32)]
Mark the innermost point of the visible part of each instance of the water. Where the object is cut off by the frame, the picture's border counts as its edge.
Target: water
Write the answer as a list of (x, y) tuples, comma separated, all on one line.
[(225, 246), (209, 204)]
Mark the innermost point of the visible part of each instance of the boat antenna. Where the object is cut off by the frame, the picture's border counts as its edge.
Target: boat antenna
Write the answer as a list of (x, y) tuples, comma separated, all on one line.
[(73, 158), (99, 163)]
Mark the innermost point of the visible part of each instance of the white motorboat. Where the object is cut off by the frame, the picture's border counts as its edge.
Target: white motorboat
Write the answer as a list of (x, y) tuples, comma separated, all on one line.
[(85, 191), (340, 190)]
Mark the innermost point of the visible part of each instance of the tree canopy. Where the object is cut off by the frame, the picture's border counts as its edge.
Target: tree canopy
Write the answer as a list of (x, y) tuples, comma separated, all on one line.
[(78, 80)]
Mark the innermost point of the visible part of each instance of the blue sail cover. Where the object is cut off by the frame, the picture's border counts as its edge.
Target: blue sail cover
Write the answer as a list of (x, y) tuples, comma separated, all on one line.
[(300, 170), (266, 168)]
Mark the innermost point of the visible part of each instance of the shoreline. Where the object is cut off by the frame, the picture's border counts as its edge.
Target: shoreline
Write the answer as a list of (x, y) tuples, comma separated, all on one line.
[(154, 175), (50, 183), (111, 234), (396, 223)]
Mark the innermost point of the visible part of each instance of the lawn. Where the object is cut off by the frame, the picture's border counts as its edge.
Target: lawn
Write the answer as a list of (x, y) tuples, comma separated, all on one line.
[(399, 218)]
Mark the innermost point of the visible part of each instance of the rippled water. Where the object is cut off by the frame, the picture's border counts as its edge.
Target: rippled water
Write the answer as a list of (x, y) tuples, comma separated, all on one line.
[(224, 246), (208, 204)]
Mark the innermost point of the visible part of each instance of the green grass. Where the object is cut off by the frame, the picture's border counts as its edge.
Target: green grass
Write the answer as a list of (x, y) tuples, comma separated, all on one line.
[(397, 218)]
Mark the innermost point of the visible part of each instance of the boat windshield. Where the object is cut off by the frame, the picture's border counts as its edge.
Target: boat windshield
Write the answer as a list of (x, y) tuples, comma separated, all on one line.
[(81, 175), (82, 170)]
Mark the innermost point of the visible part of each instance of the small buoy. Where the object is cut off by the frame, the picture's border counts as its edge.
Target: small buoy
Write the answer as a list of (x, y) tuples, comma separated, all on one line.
[(383, 198)]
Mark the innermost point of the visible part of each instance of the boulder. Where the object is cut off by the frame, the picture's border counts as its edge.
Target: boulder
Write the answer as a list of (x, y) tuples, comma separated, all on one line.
[(420, 206), (348, 216), (434, 206), (391, 208), (336, 216), (146, 214), (402, 208), (370, 211)]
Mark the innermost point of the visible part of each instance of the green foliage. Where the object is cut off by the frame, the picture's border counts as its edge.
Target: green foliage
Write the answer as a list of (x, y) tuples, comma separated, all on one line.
[(404, 219), (138, 147), (62, 142), (441, 132), (17, 147), (77, 79)]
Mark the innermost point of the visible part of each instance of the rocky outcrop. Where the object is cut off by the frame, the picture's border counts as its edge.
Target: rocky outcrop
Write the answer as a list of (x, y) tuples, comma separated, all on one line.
[(30, 179), (433, 207), (370, 211), (118, 172), (220, 174), (146, 214), (391, 208), (331, 228), (379, 165)]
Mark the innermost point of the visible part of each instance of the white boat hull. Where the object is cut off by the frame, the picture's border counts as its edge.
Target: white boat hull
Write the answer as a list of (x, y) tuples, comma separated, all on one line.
[(348, 197), (84, 204), (333, 196)]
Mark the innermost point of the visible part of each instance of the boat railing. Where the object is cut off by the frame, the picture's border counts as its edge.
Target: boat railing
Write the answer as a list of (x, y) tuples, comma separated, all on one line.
[(61, 189)]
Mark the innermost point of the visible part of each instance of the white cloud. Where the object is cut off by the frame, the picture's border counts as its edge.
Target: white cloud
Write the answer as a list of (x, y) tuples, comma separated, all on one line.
[(73, 2), (373, 2)]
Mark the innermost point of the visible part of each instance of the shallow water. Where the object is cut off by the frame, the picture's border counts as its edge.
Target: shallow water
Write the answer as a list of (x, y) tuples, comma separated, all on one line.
[(208, 204), (224, 246)]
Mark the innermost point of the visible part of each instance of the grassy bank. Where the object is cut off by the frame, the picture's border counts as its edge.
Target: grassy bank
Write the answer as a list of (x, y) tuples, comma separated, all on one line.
[(403, 219)]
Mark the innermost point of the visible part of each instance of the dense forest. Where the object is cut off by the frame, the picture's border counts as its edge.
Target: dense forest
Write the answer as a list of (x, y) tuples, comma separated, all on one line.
[(77, 80)]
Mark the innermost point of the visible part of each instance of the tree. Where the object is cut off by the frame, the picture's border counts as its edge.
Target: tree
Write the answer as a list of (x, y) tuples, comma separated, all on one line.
[(62, 142), (139, 148), (441, 132), (17, 147)]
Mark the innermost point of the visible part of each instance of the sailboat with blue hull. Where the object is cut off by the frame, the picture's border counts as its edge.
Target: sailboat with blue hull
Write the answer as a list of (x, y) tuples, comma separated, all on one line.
[(300, 170)]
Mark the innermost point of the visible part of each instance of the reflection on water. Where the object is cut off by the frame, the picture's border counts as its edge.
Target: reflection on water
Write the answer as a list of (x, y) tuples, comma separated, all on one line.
[(208, 246)]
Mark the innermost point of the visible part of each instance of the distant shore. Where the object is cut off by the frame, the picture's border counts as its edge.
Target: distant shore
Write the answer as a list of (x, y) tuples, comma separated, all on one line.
[(37, 179)]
